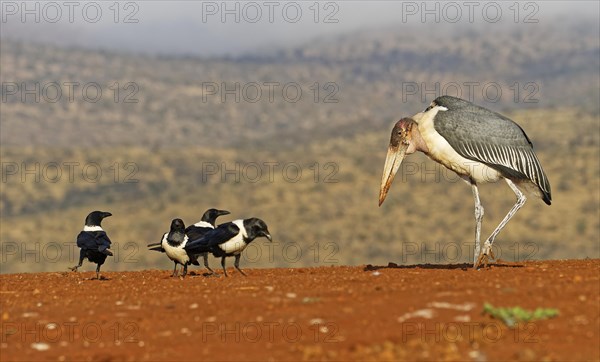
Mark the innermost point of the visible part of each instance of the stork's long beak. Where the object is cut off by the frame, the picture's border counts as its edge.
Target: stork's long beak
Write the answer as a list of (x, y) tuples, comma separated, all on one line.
[(394, 158)]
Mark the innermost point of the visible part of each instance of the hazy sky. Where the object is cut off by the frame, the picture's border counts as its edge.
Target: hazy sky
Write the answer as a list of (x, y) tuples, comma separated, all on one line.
[(216, 27)]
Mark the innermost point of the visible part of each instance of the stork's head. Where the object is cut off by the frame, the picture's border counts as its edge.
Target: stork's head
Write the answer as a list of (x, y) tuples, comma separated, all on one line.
[(402, 143)]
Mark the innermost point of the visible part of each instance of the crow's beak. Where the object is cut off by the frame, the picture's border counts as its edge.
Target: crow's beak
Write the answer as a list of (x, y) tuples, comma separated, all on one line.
[(268, 236), (223, 212), (106, 214)]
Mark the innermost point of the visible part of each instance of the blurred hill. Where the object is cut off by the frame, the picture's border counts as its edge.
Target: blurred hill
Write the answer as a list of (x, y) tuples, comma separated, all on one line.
[(178, 150)]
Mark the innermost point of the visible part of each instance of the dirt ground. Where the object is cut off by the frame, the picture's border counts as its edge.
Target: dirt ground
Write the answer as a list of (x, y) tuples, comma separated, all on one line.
[(426, 312)]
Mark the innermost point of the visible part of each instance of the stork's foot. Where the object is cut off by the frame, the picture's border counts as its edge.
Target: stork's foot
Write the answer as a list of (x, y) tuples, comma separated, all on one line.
[(486, 255)]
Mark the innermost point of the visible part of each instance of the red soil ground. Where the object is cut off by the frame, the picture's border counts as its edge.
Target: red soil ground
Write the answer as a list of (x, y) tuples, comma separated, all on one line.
[(427, 312)]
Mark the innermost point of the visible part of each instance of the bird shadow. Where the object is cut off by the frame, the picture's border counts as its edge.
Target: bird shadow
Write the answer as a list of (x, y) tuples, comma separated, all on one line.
[(462, 266), (101, 279)]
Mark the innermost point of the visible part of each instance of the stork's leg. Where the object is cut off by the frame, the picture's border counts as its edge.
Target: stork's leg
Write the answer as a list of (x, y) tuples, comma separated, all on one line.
[(487, 246), (478, 219), (237, 264), (98, 272)]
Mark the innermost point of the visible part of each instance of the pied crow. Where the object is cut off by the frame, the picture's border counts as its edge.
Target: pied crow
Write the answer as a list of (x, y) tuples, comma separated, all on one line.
[(173, 243), (93, 241), (229, 239), (207, 223)]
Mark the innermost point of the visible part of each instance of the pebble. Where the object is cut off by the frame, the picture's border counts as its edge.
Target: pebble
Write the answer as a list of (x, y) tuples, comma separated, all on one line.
[(375, 273), (463, 318), (316, 321), (194, 306), (291, 295), (40, 346), (422, 313)]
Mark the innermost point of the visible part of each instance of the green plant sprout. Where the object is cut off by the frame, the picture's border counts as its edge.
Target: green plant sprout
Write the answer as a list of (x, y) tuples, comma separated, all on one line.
[(510, 316)]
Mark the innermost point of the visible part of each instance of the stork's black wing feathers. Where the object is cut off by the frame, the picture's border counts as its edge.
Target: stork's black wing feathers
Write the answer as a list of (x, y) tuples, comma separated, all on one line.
[(488, 137), (212, 238)]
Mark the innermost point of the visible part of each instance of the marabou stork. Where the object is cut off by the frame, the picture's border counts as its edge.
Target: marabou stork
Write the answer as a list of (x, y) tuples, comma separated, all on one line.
[(479, 145)]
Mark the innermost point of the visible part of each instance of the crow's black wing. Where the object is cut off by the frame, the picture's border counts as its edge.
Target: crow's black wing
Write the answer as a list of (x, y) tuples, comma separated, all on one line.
[(196, 232), (102, 240), (212, 238)]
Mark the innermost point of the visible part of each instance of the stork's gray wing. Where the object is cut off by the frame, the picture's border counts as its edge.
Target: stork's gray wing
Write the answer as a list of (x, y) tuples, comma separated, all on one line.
[(482, 135)]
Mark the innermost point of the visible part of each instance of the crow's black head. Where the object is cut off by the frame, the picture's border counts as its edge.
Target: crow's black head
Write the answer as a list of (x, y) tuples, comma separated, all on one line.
[(95, 218), (255, 228), (211, 215), (177, 225)]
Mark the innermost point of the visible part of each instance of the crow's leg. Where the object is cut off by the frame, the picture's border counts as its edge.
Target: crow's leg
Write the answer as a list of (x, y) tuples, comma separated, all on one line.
[(98, 272), (237, 264), (81, 257), (206, 264), (174, 269), (223, 265)]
